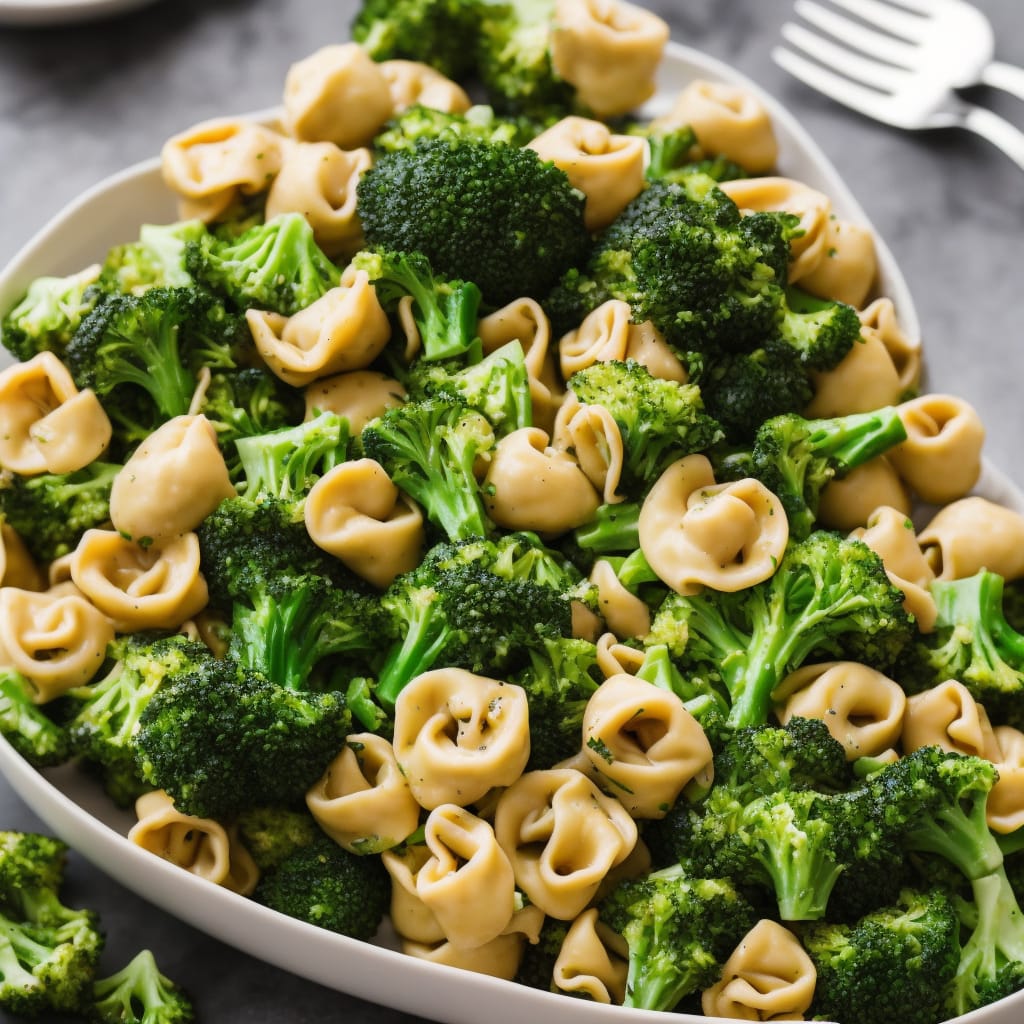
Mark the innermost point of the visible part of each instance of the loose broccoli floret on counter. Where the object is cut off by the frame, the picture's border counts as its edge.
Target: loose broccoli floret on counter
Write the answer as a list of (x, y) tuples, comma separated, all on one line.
[(659, 420), (32, 733), (50, 512), (445, 311), (48, 952), (224, 739), (559, 679), (275, 266), (139, 994), (973, 643), (49, 314), (679, 930), (325, 885), (429, 449), (892, 964), (467, 617), (796, 458), (496, 215), (143, 353), (442, 33), (479, 123), (272, 834), (829, 595), (157, 259), (498, 387), (514, 58)]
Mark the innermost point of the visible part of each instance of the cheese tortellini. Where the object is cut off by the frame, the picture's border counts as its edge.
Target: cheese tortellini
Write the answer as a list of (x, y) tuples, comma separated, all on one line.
[(412, 83), (694, 532), (948, 716), (592, 961), (974, 534)]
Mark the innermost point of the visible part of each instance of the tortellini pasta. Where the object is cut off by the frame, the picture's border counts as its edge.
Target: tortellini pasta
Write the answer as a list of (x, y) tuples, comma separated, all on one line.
[(318, 180), (625, 614), (694, 532), (592, 961), (345, 329), (363, 801), (643, 745), (768, 976), (411, 918), (154, 587), (608, 169), (847, 502), (56, 639), (974, 534), (209, 165), (359, 396), (862, 708), (849, 267), (562, 836), (412, 83), (338, 94), (591, 434), (941, 458), (948, 716), (879, 319), (523, 474), (357, 514), (614, 658), (17, 567), (609, 50), (864, 379), (201, 846), (1004, 809), (46, 424), (498, 958), (457, 735), (728, 121), (171, 482), (890, 534)]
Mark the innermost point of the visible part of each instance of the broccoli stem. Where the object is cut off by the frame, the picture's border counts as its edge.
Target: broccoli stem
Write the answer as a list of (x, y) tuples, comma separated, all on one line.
[(961, 835), (850, 441), (978, 600), (614, 529), (416, 653)]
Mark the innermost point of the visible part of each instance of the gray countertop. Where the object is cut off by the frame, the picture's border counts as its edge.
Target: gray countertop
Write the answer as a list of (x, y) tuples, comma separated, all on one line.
[(79, 103)]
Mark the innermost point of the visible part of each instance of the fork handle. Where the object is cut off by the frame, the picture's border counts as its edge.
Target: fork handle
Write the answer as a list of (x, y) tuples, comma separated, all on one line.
[(1004, 76), (1001, 133)]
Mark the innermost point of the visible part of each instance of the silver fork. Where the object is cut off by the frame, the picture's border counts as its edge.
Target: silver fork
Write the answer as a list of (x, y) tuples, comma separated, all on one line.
[(880, 86)]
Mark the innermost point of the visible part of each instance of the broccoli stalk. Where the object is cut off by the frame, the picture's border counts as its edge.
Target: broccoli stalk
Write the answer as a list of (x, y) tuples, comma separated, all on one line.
[(828, 594), (614, 529), (429, 450), (40, 740), (678, 930), (139, 994)]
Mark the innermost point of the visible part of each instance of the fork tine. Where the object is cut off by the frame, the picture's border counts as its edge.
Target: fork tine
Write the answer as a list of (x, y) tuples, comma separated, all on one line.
[(860, 69), (885, 16), (856, 35), (842, 90)]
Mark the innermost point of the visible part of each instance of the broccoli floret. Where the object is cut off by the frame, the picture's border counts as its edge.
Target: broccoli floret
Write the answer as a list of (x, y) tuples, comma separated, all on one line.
[(50, 512), (153, 346), (892, 964), (678, 929), (224, 739), (514, 58), (445, 311), (493, 214), (479, 123), (973, 643), (48, 952), (829, 595), (820, 331), (139, 994), (659, 420), (537, 967), (464, 616), (272, 834), (32, 733), (559, 679), (673, 155), (104, 715), (49, 314), (429, 449), (498, 387), (157, 259), (325, 885), (442, 33), (274, 266), (796, 458), (615, 529)]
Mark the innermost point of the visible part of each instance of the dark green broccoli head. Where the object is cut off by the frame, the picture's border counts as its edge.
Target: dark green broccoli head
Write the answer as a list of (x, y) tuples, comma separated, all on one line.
[(157, 259), (29, 860), (659, 420), (820, 331), (325, 885), (139, 994), (273, 266), (272, 834), (679, 931), (893, 964), (441, 33), (537, 967), (496, 215), (26, 726), (225, 739)]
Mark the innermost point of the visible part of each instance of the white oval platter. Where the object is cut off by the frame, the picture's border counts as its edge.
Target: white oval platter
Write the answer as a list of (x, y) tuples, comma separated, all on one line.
[(74, 807), (41, 13)]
